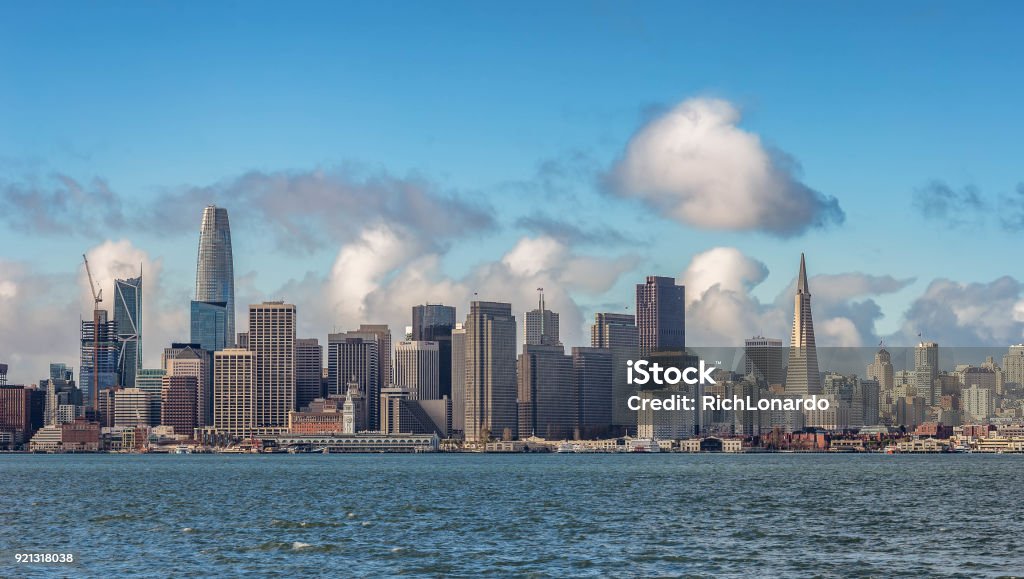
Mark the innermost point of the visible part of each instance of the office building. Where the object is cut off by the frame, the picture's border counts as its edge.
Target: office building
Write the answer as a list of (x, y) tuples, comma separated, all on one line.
[(417, 369), (178, 404), (128, 317), (309, 366), (540, 326), (209, 322), (401, 414), (100, 351), (660, 315), (490, 372), (151, 381), (802, 377), (272, 342), (592, 381), (765, 359), (215, 270), (234, 392), (619, 334), (459, 378), (548, 404), (191, 360), (882, 371), (434, 323), (926, 371), (353, 360), (131, 407), (1013, 365)]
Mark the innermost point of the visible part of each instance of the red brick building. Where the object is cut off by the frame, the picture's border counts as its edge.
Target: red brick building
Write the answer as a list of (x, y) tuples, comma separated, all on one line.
[(16, 412)]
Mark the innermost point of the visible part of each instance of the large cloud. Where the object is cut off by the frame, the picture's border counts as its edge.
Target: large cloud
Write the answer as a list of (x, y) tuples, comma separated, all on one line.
[(302, 210), (967, 314), (381, 276), (722, 311), (698, 166)]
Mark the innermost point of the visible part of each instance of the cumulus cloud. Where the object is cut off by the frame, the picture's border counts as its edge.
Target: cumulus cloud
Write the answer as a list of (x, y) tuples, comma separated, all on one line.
[(302, 210), (967, 314), (698, 166), (379, 278), (722, 310)]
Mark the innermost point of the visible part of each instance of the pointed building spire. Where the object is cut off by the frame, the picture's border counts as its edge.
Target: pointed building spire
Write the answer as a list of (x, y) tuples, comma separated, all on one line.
[(801, 283)]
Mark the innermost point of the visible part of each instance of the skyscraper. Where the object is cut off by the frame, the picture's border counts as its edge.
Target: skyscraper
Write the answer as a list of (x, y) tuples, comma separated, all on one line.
[(416, 369), (352, 357), (435, 322), (309, 363), (1013, 365), (926, 371), (618, 333), (209, 323), (178, 403), (215, 270), (882, 370), (100, 350), (802, 376), (765, 358), (660, 315), (150, 381), (234, 392), (490, 371), (592, 381), (548, 406), (272, 342), (459, 378), (540, 326), (191, 360), (128, 317)]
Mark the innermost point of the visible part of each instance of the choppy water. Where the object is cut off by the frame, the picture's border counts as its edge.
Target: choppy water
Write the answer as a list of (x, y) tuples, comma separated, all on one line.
[(499, 515)]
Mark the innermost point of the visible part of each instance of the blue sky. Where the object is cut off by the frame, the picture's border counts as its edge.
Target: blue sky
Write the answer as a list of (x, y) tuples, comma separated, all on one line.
[(874, 100)]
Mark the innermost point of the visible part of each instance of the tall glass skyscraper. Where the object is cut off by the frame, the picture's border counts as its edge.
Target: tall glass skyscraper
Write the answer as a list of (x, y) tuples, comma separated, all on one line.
[(209, 325), (434, 323), (215, 272), (128, 317)]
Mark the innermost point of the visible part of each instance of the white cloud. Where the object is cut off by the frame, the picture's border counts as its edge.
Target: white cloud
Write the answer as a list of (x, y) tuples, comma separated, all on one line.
[(696, 164)]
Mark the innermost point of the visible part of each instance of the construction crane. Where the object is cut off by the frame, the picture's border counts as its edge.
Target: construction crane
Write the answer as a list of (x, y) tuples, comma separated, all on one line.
[(97, 298)]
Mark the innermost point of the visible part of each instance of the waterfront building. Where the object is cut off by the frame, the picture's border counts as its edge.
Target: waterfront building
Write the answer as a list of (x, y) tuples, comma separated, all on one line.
[(16, 412), (354, 360), (402, 414)]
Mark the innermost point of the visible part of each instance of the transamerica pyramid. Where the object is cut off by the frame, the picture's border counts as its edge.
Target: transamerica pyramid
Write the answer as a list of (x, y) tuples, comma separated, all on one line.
[(802, 376)]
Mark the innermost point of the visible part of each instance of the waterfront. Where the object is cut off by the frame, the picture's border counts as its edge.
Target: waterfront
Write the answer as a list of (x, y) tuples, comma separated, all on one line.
[(539, 515)]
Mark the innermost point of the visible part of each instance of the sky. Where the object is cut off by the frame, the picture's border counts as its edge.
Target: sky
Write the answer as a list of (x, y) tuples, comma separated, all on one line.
[(377, 155)]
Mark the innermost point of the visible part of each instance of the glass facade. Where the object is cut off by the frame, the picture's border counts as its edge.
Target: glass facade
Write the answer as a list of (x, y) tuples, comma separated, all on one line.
[(215, 274), (128, 317), (209, 325), (100, 351)]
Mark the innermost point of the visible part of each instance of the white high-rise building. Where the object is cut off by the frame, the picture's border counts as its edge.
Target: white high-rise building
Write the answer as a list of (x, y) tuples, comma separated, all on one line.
[(417, 369), (272, 342), (131, 407), (234, 393), (978, 403)]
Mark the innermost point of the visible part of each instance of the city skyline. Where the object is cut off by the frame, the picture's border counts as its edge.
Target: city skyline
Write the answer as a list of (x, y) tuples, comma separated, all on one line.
[(550, 189)]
